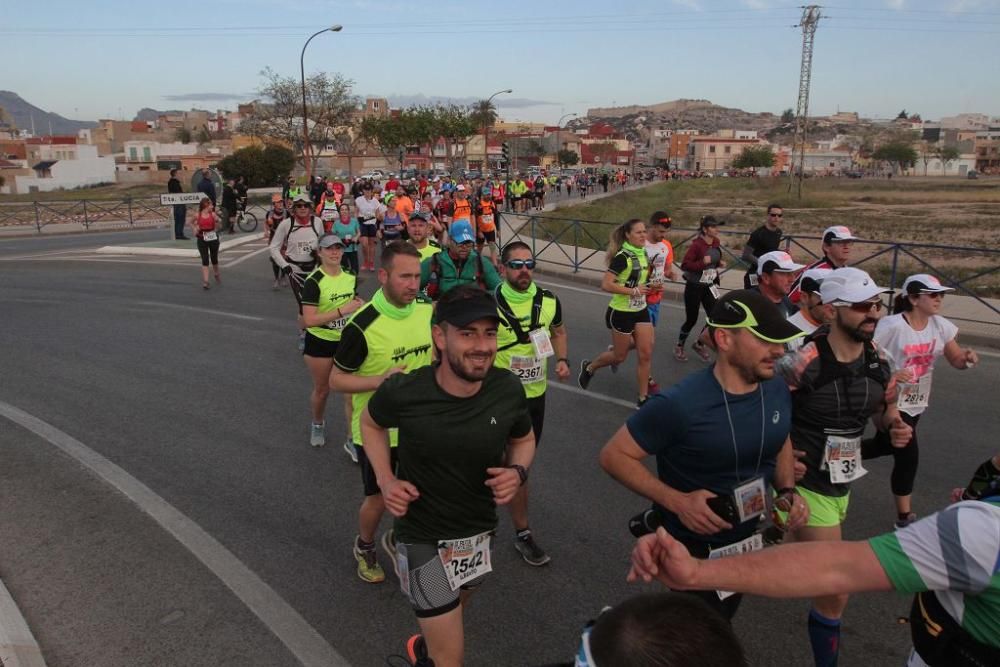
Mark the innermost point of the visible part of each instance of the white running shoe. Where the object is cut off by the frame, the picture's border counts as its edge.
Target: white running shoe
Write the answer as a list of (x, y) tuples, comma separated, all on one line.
[(317, 436), (349, 448)]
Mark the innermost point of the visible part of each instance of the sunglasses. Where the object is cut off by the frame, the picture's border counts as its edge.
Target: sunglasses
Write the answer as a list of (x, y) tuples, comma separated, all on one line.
[(866, 306), (520, 264), (303, 205)]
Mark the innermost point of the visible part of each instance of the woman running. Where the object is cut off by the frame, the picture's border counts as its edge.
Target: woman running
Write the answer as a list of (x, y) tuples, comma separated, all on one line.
[(204, 223), (275, 215), (627, 316), (347, 228), (700, 268), (913, 339), (329, 296)]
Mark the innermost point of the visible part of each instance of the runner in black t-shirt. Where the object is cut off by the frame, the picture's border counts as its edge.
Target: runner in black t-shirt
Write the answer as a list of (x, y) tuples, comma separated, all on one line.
[(465, 445), (764, 239)]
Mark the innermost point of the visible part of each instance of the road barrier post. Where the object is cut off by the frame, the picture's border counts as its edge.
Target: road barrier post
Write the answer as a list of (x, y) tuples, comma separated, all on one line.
[(86, 222), (38, 221)]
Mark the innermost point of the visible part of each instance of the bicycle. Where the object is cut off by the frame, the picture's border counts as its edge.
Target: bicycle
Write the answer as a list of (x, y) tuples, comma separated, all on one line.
[(245, 220)]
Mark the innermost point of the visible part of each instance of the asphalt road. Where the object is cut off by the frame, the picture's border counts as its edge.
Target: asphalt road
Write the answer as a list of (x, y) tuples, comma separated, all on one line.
[(203, 397)]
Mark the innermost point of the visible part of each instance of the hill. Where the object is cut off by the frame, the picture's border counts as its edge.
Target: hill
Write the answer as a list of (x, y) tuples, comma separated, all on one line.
[(682, 115), (23, 112)]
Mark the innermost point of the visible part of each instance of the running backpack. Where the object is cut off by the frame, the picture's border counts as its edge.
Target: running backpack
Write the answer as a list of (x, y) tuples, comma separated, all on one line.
[(293, 228), (434, 281), (514, 322), (831, 370)]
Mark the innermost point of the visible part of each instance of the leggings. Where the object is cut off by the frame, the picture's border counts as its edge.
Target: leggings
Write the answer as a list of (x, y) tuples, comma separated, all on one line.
[(208, 250), (905, 459), (695, 294), (349, 261)]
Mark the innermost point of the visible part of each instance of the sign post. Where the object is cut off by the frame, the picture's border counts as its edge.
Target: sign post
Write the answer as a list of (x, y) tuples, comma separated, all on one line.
[(180, 199)]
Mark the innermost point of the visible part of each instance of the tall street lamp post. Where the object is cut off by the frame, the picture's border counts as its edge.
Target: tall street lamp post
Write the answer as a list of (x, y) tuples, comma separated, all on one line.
[(306, 148), (486, 128)]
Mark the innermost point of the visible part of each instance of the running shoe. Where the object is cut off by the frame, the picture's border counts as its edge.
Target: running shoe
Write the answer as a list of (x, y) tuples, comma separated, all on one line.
[(904, 521), (614, 367), (641, 402), (680, 354), (416, 652), (351, 451), (702, 351), (529, 549), (585, 376), (368, 568), (652, 387), (317, 436)]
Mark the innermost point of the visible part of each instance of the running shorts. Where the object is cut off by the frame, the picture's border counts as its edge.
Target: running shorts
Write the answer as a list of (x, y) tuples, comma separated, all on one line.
[(625, 321), (319, 347), (824, 511), (423, 580), (368, 473)]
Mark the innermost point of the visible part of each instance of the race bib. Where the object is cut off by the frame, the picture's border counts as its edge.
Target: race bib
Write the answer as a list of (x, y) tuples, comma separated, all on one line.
[(914, 395), (753, 543), (303, 248), (637, 302), (337, 324), (328, 214), (209, 236), (708, 276), (465, 559), (751, 499), (754, 279), (715, 291), (842, 458), (527, 369), (542, 343), (488, 220)]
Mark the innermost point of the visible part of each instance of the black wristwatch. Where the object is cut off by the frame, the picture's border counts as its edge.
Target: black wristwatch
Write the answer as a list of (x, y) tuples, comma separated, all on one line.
[(563, 359), (522, 472)]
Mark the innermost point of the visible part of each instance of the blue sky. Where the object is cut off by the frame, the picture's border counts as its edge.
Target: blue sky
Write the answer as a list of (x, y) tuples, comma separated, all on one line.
[(109, 58)]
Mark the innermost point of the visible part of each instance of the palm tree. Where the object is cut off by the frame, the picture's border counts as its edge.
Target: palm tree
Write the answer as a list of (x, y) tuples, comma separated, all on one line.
[(484, 114)]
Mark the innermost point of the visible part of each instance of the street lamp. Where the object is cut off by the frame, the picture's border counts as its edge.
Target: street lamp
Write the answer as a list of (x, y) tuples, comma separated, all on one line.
[(565, 115), (486, 127), (305, 121)]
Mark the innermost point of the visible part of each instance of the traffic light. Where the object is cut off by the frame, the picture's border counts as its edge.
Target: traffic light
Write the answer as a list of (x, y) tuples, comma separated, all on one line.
[(505, 151)]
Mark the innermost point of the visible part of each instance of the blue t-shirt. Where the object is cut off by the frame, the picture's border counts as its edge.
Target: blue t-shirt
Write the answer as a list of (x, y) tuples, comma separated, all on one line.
[(687, 430)]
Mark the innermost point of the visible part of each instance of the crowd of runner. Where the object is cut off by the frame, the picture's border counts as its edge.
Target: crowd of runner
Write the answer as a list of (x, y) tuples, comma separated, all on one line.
[(444, 374)]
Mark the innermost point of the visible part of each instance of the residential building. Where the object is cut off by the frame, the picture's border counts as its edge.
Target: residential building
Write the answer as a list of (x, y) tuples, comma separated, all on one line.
[(715, 153), (144, 155), (61, 163), (846, 117), (966, 121), (987, 150)]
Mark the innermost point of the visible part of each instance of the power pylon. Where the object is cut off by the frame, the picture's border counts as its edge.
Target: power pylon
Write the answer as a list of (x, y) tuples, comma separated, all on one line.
[(810, 19)]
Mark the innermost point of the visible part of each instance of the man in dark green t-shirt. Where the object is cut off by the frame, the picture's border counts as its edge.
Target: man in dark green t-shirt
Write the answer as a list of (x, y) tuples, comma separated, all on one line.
[(465, 445)]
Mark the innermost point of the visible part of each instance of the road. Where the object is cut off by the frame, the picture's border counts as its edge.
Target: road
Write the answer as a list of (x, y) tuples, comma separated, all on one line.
[(202, 399)]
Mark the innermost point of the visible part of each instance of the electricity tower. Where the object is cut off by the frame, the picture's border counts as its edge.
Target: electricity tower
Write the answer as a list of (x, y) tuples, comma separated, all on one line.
[(810, 19)]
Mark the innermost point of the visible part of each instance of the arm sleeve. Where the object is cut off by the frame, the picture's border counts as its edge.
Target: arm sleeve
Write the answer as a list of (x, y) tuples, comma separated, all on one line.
[(955, 549), (280, 234), (383, 406), (618, 264), (657, 428), (352, 349), (310, 292)]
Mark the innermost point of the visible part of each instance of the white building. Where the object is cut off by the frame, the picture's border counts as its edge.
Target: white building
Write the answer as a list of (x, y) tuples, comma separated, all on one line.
[(151, 151), (67, 166), (966, 121)]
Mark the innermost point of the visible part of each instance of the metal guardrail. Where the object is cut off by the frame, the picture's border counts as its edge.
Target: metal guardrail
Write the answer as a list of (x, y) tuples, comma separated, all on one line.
[(563, 237), (130, 211)]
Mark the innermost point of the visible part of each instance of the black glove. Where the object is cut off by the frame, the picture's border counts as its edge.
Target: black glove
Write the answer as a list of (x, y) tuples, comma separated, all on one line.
[(287, 270)]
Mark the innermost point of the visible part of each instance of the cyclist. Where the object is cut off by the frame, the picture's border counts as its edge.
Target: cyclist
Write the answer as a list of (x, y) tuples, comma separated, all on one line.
[(700, 267), (465, 446), (388, 335), (838, 381), (627, 279), (530, 331), (329, 296), (912, 340), (205, 224)]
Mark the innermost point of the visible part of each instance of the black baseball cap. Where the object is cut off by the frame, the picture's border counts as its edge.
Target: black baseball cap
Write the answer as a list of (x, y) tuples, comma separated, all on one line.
[(464, 305), (749, 309), (710, 221)]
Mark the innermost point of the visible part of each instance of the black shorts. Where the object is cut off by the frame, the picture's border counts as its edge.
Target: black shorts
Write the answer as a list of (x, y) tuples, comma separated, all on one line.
[(319, 347), (488, 237), (368, 231), (624, 321), (368, 473), (536, 409)]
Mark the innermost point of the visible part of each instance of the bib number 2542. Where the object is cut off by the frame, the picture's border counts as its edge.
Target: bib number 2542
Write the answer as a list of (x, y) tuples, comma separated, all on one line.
[(465, 559)]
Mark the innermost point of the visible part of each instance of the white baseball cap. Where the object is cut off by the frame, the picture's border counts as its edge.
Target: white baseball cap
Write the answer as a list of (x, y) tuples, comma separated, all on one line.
[(461, 188), (838, 233), (779, 261), (924, 283), (812, 279), (849, 285)]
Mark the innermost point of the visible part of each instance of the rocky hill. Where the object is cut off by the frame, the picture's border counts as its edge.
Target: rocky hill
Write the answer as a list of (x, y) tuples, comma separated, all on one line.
[(681, 115), (23, 112)]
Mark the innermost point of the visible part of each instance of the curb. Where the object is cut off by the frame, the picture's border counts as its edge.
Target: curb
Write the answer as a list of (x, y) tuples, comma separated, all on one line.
[(175, 252), (74, 232), (18, 647)]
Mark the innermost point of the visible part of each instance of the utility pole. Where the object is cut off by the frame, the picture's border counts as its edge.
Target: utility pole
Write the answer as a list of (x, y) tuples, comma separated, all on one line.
[(810, 19)]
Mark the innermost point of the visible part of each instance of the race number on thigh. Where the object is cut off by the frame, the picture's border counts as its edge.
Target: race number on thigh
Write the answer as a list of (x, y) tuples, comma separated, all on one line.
[(753, 543), (842, 459), (465, 559)]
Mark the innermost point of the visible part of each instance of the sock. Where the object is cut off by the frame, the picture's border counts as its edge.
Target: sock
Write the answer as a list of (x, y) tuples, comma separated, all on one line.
[(903, 516), (824, 635), (366, 546), (521, 534)]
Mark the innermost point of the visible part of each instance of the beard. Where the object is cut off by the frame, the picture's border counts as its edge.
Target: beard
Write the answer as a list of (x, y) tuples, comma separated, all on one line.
[(856, 333), (464, 366)]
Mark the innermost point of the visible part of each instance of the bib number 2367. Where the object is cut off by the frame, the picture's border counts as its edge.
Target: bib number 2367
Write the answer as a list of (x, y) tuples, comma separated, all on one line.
[(465, 559)]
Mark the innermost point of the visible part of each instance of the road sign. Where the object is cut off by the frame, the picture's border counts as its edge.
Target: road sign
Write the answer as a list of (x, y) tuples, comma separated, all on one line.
[(181, 198)]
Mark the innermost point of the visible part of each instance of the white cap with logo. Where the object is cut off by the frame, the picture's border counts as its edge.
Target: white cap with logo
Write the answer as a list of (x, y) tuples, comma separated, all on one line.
[(849, 285)]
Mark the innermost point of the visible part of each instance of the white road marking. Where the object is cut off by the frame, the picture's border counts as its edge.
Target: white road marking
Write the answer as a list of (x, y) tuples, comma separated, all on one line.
[(589, 394), (246, 257), (43, 254), (207, 311), (280, 618), (18, 647)]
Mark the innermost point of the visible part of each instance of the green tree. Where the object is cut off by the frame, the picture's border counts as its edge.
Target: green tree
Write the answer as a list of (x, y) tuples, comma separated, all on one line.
[(454, 123), (754, 157), (899, 153), (902, 115), (263, 167), (483, 113), (946, 154), (203, 136), (330, 104), (183, 135), (787, 116), (567, 158)]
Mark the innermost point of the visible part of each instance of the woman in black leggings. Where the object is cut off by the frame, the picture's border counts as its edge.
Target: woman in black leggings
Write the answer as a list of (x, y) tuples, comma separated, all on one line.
[(700, 267)]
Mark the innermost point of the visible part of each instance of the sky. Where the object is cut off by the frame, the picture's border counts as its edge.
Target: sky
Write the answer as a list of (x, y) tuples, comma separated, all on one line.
[(110, 58)]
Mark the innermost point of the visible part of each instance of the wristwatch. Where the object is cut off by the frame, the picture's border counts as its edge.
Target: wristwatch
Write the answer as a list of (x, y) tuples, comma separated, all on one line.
[(564, 359), (522, 472)]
